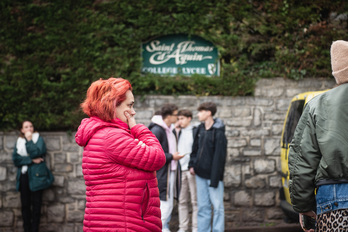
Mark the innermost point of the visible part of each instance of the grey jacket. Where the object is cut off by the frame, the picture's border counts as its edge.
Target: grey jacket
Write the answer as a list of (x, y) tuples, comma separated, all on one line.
[(319, 151)]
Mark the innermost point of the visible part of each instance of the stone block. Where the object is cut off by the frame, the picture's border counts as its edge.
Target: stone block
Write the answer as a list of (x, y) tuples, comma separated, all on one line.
[(255, 182), (53, 143), (68, 138), (240, 159), (65, 199), (275, 181), (264, 165), (264, 199), (246, 169), (3, 173), (237, 143), (144, 114), (48, 195), (290, 93), (274, 117), (272, 146), (10, 141), (12, 200), (74, 157), (260, 102), (77, 187), (283, 105), (6, 218), (63, 168), (56, 213), (59, 158), (253, 215), (255, 133), (232, 133), (257, 121), (243, 198), (252, 152), (275, 214), (239, 122), (71, 147), (81, 204), (58, 180), (225, 113), (8, 186), (5, 157), (78, 169), (277, 129), (233, 176), (241, 112), (255, 142), (75, 216)]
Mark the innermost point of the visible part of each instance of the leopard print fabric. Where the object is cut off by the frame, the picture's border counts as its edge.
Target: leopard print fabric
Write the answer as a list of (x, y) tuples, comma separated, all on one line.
[(333, 221)]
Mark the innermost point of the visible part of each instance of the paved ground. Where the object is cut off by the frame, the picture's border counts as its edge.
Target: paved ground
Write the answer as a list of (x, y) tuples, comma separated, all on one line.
[(279, 228)]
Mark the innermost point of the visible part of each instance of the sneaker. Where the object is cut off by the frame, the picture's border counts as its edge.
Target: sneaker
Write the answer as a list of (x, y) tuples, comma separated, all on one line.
[(181, 230), (165, 230), (194, 230)]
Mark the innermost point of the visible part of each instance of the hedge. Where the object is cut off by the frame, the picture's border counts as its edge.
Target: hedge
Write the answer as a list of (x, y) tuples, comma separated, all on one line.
[(51, 51)]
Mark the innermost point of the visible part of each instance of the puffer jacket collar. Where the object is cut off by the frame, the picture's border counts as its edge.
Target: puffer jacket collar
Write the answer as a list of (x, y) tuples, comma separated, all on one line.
[(89, 126)]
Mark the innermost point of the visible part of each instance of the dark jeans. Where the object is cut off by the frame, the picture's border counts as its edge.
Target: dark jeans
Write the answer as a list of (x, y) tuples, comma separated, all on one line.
[(31, 205)]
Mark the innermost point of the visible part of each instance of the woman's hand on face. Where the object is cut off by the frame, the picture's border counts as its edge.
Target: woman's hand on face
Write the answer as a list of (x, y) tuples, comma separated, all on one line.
[(130, 119), (28, 135)]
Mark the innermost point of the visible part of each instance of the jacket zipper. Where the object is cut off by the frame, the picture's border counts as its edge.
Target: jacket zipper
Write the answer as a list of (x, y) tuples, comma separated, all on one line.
[(145, 201), (200, 154)]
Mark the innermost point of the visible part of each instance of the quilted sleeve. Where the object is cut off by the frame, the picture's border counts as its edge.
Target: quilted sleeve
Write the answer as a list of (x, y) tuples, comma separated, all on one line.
[(122, 148), (304, 157)]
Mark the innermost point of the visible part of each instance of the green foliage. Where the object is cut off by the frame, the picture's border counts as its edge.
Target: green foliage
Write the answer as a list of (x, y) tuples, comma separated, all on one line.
[(51, 51)]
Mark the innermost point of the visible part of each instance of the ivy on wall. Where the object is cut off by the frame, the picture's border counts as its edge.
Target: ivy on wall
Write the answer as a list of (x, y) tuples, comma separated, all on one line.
[(51, 51)]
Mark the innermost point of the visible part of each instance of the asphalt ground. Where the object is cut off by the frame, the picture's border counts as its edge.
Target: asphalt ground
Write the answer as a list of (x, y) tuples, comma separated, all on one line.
[(293, 227)]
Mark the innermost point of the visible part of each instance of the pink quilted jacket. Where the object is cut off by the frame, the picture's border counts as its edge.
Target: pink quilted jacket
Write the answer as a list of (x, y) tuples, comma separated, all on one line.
[(121, 184)]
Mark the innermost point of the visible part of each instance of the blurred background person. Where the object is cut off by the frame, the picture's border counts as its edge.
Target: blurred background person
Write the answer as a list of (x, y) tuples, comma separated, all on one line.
[(188, 182), (119, 162), (30, 149), (169, 175)]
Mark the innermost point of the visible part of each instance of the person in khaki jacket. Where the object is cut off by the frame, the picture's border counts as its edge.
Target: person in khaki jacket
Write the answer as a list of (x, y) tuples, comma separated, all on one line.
[(318, 155)]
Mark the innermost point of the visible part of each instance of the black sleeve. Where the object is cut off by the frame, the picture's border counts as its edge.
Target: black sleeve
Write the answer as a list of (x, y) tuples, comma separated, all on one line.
[(218, 165), (193, 156), (160, 135)]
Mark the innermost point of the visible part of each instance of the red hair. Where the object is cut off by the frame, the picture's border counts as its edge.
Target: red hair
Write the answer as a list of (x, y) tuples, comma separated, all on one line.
[(103, 96)]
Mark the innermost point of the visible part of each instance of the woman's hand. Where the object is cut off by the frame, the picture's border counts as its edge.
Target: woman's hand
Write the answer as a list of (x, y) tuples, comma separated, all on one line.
[(130, 119), (37, 160), (309, 214), (28, 135)]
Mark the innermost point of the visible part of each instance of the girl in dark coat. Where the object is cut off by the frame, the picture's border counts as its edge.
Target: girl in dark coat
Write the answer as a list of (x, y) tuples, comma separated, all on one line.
[(30, 149)]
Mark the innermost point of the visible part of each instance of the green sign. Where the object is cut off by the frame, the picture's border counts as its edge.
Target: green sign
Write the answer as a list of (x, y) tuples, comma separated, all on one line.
[(180, 54)]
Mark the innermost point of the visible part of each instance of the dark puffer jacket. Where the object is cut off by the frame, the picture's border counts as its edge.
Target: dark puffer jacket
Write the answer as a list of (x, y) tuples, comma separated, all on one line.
[(163, 173)]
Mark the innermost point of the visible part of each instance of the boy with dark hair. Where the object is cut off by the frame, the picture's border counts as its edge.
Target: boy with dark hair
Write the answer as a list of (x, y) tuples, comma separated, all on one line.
[(169, 175), (207, 163), (188, 182)]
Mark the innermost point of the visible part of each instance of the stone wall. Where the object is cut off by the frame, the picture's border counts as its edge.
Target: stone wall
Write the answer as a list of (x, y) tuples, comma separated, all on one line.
[(253, 129)]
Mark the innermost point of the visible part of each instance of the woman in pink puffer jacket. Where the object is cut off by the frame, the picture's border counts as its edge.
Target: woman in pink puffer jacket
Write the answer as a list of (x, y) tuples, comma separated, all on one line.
[(119, 162)]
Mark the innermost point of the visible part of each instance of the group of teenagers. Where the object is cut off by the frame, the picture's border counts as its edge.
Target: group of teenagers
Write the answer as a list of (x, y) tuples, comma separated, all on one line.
[(194, 169)]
